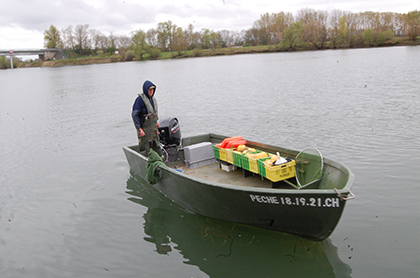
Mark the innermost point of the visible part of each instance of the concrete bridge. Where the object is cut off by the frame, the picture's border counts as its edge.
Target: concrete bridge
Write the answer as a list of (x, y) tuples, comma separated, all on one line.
[(43, 54)]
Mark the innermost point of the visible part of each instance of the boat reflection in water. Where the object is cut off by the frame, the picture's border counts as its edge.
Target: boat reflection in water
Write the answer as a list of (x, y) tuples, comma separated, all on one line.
[(226, 249)]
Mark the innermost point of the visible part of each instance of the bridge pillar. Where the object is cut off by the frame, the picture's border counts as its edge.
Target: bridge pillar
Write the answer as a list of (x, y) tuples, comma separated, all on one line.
[(11, 59)]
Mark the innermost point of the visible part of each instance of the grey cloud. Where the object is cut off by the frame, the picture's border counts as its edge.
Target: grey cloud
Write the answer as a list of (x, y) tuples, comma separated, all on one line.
[(39, 15)]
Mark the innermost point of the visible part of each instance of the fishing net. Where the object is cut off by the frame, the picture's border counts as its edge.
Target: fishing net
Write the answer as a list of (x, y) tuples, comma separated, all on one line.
[(309, 167), (153, 174)]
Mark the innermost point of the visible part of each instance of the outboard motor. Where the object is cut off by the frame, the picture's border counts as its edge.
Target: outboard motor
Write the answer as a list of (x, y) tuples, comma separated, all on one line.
[(170, 132), (170, 138)]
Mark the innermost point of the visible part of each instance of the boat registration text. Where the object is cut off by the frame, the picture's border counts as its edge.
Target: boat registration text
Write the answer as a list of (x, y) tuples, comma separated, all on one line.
[(296, 201)]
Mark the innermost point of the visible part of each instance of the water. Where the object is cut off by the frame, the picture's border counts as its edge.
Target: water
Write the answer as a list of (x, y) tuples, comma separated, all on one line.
[(70, 207)]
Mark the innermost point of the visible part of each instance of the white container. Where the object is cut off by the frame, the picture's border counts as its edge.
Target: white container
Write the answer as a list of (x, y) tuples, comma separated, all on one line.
[(228, 167)]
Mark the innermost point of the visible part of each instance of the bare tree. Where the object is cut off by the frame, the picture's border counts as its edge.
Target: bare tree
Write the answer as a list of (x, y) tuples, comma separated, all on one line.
[(226, 38), (139, 43), (179, 42), (305, 15), (68, 38), (263, 29), (190, 36), (413, 24), (124, 41), (315, 28), (281, 21), (82, 36), (112, 41), (238, 37), (103, 42), (165, 33), (96, 37), (334, 26), (152, 37)]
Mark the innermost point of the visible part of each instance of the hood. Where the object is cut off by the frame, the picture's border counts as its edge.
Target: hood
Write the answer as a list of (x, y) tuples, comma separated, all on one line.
[(146, 85)]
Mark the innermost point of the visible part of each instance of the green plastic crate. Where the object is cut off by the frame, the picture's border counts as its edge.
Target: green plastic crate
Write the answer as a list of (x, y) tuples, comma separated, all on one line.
[(249, 164), (216, 152), (261, 166), (237, 159), (244, 162)]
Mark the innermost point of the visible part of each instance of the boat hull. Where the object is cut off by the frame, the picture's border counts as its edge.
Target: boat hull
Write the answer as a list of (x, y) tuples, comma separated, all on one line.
[(204, 241), (310, 213)]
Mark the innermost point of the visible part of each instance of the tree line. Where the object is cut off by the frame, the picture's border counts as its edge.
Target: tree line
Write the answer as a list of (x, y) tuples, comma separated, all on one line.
[(309, 28)]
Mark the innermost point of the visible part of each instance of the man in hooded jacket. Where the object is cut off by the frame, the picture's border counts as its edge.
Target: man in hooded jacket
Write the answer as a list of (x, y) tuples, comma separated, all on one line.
[(145, 118)]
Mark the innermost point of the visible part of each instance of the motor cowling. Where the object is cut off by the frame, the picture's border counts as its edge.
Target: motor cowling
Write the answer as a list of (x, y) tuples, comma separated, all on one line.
[(170, 132)]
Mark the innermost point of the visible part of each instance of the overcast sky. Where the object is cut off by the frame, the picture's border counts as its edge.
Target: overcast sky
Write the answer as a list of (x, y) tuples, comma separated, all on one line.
[(22, 22)]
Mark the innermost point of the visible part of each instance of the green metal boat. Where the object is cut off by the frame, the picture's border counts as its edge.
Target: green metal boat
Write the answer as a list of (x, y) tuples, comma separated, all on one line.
[(227, 249), (244, 197)]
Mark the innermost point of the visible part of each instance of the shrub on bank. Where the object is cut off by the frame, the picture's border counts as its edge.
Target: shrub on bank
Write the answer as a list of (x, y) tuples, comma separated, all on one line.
[(129, 55), (3, 62), (154, 53)]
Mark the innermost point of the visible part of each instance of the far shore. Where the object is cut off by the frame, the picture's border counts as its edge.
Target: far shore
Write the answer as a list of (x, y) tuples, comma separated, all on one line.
[(194, 54), (187, 54)]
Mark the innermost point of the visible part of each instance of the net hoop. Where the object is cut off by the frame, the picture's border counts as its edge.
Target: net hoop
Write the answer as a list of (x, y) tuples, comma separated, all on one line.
[(320, 171)]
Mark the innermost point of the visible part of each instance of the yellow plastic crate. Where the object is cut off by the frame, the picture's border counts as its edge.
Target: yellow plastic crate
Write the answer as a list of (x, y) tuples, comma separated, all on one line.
[(249, 163), (229, 154), (223, 154), (253, 165), (280, 172)]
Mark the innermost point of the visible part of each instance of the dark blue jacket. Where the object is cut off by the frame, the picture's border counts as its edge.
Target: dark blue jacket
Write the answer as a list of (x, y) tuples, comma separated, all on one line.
[(139, 108)]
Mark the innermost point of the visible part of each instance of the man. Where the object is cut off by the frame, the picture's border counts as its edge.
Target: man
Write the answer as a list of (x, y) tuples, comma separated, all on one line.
[(145, 117)]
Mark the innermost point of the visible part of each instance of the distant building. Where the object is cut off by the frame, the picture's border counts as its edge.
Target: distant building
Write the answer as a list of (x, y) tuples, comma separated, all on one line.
[(54, 54)]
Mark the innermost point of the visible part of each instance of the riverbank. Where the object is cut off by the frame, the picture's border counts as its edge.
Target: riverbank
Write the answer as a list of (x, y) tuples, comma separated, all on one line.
[(164, 56), (204, 53), (193, 54), (81, 61)]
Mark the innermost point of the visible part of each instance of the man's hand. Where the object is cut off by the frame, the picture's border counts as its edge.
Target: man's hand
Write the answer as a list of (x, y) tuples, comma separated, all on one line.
[(141, 132)]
